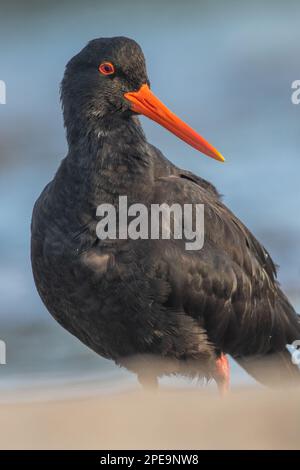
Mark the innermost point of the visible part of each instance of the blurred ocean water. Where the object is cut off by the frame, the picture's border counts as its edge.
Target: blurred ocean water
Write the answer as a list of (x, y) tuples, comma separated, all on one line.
[(226, 68)]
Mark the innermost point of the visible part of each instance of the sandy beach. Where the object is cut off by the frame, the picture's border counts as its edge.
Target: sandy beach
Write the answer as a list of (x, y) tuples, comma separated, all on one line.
[(167, 419)]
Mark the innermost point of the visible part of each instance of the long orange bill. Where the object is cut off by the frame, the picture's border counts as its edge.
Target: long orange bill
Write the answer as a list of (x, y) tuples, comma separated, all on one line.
[(145, 102)]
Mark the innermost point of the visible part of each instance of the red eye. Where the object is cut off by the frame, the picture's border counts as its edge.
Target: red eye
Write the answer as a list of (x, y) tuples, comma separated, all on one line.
[(107, 68)]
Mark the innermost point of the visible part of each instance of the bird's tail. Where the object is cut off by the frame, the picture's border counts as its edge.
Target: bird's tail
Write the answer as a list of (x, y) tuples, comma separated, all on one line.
[(274, 370)]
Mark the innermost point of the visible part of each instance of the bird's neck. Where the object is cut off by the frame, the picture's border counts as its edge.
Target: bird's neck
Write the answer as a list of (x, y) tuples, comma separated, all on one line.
[(110, 158)]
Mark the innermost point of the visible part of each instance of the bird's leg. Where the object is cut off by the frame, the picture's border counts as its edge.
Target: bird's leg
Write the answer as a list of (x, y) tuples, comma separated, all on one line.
[(222, 375), (148, 381)]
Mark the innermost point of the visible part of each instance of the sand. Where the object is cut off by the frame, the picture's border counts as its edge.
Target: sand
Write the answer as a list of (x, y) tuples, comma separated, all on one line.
[(167, 419)]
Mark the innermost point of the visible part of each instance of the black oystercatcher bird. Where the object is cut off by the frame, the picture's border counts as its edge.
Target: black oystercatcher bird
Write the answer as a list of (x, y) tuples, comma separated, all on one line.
[(177, 311)]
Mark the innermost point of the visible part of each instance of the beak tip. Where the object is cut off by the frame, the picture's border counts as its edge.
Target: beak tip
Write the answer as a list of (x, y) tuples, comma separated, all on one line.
[(222, 160), (219, 157)]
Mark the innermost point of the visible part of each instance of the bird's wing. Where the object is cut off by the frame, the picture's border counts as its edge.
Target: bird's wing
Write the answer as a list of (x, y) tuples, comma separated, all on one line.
[(164, 168), (230, 284)]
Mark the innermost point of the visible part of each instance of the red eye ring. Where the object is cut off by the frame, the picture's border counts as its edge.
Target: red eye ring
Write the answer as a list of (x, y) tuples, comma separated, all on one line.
[(106, 68)]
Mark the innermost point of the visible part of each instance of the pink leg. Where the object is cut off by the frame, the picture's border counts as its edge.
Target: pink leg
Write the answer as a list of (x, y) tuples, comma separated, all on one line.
[(222, 376), (148, 381)]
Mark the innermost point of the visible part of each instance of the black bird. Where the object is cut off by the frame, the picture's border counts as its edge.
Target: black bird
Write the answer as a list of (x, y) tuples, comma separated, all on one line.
[(177, 311)]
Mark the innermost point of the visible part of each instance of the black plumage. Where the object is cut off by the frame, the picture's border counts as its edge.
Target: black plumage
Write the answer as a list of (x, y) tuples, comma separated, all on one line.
[(147, 298)]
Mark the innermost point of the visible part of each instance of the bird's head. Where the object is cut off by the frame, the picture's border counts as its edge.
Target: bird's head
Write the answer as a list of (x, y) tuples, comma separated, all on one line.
[(108, 80)]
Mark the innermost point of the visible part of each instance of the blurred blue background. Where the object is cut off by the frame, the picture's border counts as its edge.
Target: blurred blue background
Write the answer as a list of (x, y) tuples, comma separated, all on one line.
[(224, 67)]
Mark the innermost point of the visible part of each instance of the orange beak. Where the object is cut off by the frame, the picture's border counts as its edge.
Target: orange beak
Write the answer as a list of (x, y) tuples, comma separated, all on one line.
[(145, 102)]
